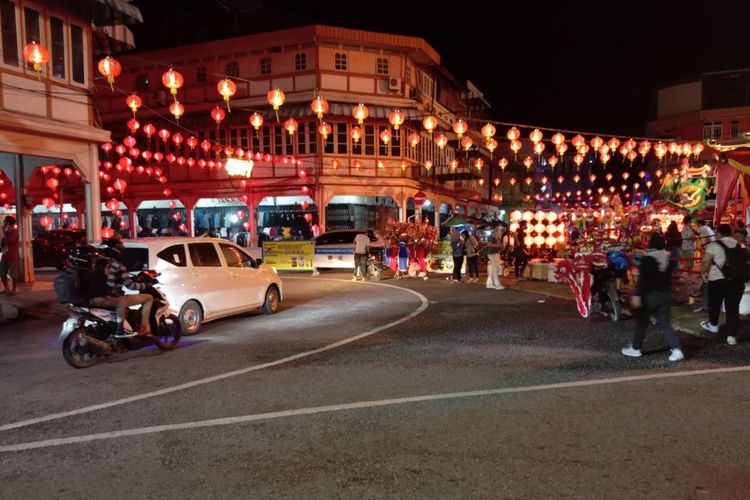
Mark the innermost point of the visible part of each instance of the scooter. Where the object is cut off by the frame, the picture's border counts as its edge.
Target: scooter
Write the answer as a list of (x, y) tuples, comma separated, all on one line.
[(605, 291), (87, 336)]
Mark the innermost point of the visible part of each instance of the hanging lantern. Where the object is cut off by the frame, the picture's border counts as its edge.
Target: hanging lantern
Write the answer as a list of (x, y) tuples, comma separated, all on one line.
[(217, 115), (324, 129), (578, 159), (133, 125), (357, 164), (48, 202), (603, 149), (335, 164), (561, 149), (460, 127), (658, 173), (539, 149), (453, 164), (428, 165), (608, 177), (513, 134), (512, 181), (385, 136), (697, 149), (177, 139), (632, 155), (502, 162), (491, 145), (120, 185), (403, 166), (613, 144), (578, 141), (319, 106), (291, 126), (687, 149), (584, 149), (624, 151), (488, 131), (479, 163), (192, 142), (528, 181), (356, 133), (149, 130), (45, 221), (596, 143), (660, 150), (604, 158), (625, 175), (360, 113), (558, 139), (173, 80), (129, 141), (592, 177), (177, 110), (276, 98), (466, 143), (515, 146), (396, 118), (134, 102), (552, 161), (643, 148), (560, 179), (429, 123), (164, 135), (110, 67), (441, 140), (528, 162), (256, 120), (576, 178), (413, 139), (536, 135), (227, 89), (497, 181)]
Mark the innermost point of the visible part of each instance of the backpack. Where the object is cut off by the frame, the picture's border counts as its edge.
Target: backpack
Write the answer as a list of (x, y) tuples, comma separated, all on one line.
[(67, 287), (735, 263)]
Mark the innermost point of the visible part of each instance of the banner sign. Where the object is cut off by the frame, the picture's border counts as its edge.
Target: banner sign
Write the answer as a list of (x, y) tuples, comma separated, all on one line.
[(289, 255), (441, 259)]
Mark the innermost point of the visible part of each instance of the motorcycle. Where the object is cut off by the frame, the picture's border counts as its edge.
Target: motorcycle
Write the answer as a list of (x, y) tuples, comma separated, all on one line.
[(605, 287), (87, 335)]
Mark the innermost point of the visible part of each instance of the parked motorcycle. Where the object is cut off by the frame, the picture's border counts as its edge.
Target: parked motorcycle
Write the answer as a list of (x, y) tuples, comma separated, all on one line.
[(87, 335), (605, 288)]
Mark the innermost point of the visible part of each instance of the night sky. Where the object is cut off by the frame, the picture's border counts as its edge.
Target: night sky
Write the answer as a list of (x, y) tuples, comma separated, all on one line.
[(589, 66)]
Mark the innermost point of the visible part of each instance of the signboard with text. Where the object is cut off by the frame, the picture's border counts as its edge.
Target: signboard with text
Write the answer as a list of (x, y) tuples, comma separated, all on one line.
[(289, 255)]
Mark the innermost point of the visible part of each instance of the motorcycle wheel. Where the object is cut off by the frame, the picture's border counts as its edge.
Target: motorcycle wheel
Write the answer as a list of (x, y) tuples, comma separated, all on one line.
[(374, 271), (168, 332), (613, 297), (74, 353)]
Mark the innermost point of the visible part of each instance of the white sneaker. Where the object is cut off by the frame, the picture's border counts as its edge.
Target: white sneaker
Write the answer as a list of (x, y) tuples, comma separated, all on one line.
[(709, 327), (633, 353), (676, 355), (731, 340), (499, 287), (354, 278)]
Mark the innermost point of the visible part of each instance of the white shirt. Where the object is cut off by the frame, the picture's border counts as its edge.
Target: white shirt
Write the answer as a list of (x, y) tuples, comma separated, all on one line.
[(361, 242), (719, 257), (706, 234)]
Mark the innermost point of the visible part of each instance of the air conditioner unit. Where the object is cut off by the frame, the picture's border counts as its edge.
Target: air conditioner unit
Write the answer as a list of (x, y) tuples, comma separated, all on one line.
[(394, 83)]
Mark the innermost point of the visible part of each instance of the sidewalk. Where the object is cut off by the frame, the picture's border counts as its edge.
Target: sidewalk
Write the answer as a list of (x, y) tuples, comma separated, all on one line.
[(32, 299)]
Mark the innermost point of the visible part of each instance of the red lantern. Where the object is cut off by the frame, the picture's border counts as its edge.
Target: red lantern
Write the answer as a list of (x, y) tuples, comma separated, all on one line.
[(45, 221), (396, 118), (120, 185), (192, 142), (108, 232), (110, 68), (429, 123), (177, 110), (291, 126), (308, 217), (133, 125), (319, 107), (129, 141), (107, 147), (52, 183), (276, 98), (134, 103), (227, 89), (177, 139), (218, 114), (256, 120), (167, 192), (360, 113), (324, 129), (460, 127), (164, 135), (356, 133), (48, 202), (36, 54), (149, 130), (413, 139), (304, 205), (513, 134), (173, 80)]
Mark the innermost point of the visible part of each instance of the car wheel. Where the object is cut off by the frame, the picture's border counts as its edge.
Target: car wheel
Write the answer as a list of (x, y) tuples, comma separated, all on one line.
[(273, 300), (191, 317)]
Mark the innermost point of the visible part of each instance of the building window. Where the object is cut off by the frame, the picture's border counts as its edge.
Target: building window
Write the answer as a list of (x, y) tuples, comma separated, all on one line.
[(712, 130), (382, 66), (300, 62), (278, 146), (734, 129), (407, 74), (200, 74), (369, 140), (266, 139), (31, 22), (141, 83), (233, 69), (307, 136), (342, 138), (341, 61), (57, 54), (265, 66), (10, 35), (77, 54)]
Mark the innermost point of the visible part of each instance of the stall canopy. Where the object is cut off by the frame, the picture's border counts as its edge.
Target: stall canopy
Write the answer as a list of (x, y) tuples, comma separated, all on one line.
[(728, 173)]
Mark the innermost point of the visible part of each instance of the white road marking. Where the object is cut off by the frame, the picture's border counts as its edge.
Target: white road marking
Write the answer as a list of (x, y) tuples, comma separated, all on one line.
[(189, 385), (355, 406)]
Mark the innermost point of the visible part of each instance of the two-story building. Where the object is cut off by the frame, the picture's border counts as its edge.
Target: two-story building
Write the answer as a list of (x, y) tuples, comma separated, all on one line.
[(350, 181), (49, 136)]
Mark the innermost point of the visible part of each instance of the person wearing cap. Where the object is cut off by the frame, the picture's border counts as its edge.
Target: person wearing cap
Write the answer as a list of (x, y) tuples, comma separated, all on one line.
[(10, 261)]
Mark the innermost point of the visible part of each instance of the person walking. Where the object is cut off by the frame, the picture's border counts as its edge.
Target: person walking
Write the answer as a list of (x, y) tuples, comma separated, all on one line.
[(10, 260), (724, 267), (361, 247), (653, 297), (458, 250), (494, 268), (673, 239), (472, 257)]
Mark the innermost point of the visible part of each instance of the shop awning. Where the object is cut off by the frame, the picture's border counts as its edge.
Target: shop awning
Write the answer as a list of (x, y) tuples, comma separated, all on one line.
[(340, 109), (111, 12), (112, 40)]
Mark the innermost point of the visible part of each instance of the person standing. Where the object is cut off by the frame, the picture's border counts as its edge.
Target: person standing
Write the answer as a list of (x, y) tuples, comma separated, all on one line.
[(653, 297), (725, 274), (493, 256), (10, 261), (472, 257), (361, 247), (673, 239), (458, 250), (688, 242), (520, 257), (705, 233)]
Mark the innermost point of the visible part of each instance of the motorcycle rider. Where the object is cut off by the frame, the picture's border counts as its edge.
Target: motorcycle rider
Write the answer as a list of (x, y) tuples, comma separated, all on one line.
[(117, 276)]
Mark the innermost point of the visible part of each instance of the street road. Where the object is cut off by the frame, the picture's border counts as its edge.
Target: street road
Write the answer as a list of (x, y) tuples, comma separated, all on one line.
[(404, 389)]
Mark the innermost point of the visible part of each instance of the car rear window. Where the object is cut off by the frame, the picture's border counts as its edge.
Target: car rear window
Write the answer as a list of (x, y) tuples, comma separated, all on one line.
[(204, 255), (175, 255), (135, 258)]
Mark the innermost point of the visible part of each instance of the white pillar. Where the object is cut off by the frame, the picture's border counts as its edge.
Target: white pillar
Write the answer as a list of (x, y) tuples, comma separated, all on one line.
[(93, 198)]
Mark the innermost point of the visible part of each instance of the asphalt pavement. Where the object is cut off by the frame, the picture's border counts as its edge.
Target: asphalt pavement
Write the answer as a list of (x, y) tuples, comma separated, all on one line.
[(402, 389)]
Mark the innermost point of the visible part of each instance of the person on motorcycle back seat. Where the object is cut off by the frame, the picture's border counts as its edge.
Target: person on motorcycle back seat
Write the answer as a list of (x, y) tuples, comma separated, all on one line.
[(117, 276), (81, 263)]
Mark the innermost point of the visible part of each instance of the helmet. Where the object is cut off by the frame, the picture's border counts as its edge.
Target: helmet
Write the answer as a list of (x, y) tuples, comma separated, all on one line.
[(84, 257), (111, 248)]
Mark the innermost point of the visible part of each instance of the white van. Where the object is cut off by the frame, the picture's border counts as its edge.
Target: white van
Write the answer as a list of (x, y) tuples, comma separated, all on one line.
[(206, 278)]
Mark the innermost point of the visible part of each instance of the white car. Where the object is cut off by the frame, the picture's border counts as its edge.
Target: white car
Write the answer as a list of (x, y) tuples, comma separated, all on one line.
[(206, 278), (335, 249)]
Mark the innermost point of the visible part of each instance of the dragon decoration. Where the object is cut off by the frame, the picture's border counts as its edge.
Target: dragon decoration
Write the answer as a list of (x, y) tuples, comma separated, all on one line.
[(687, 190), (577, 273)]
